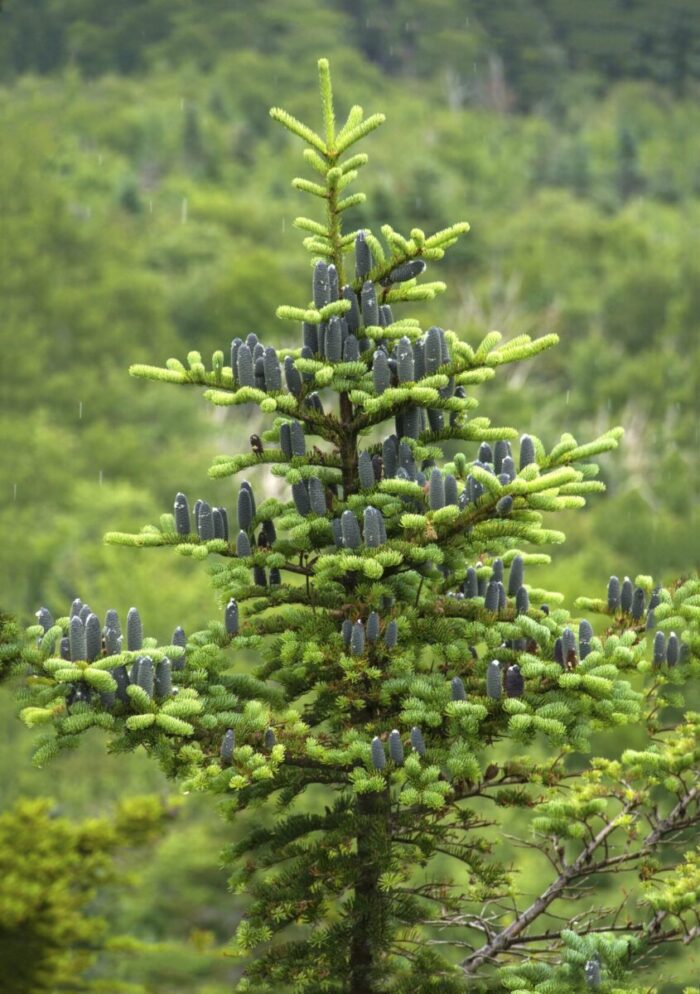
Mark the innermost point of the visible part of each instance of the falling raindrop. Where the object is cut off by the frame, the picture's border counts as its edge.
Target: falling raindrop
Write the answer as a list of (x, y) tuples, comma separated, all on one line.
[(14, 491), (284, 224), (80, 410), (568, 394), (182, 103), (150, 206), (183, 210), (101, 474)]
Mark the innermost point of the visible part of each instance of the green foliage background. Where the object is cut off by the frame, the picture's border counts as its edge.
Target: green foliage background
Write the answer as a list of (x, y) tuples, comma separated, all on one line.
[(147, 211)]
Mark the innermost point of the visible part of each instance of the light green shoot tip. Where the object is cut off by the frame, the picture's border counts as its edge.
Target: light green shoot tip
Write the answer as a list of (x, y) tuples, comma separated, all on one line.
[(324, 78)]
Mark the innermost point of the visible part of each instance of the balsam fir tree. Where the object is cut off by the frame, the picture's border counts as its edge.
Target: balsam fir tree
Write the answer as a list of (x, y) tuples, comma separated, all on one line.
[(415, 700)]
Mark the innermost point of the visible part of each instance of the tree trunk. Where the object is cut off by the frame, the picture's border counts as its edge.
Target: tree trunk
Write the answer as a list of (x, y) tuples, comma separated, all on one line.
[(370, 909), (348, 448)]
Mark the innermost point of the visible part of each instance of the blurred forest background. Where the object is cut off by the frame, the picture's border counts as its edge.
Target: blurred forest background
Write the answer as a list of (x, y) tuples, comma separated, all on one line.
[(147, 210)]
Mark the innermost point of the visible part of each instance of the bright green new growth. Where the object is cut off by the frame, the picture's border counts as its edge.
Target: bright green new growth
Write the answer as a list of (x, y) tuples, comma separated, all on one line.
[(374, 595)]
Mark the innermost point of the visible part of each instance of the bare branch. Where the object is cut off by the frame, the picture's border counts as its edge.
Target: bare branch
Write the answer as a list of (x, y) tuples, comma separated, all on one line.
[(583, 866)]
